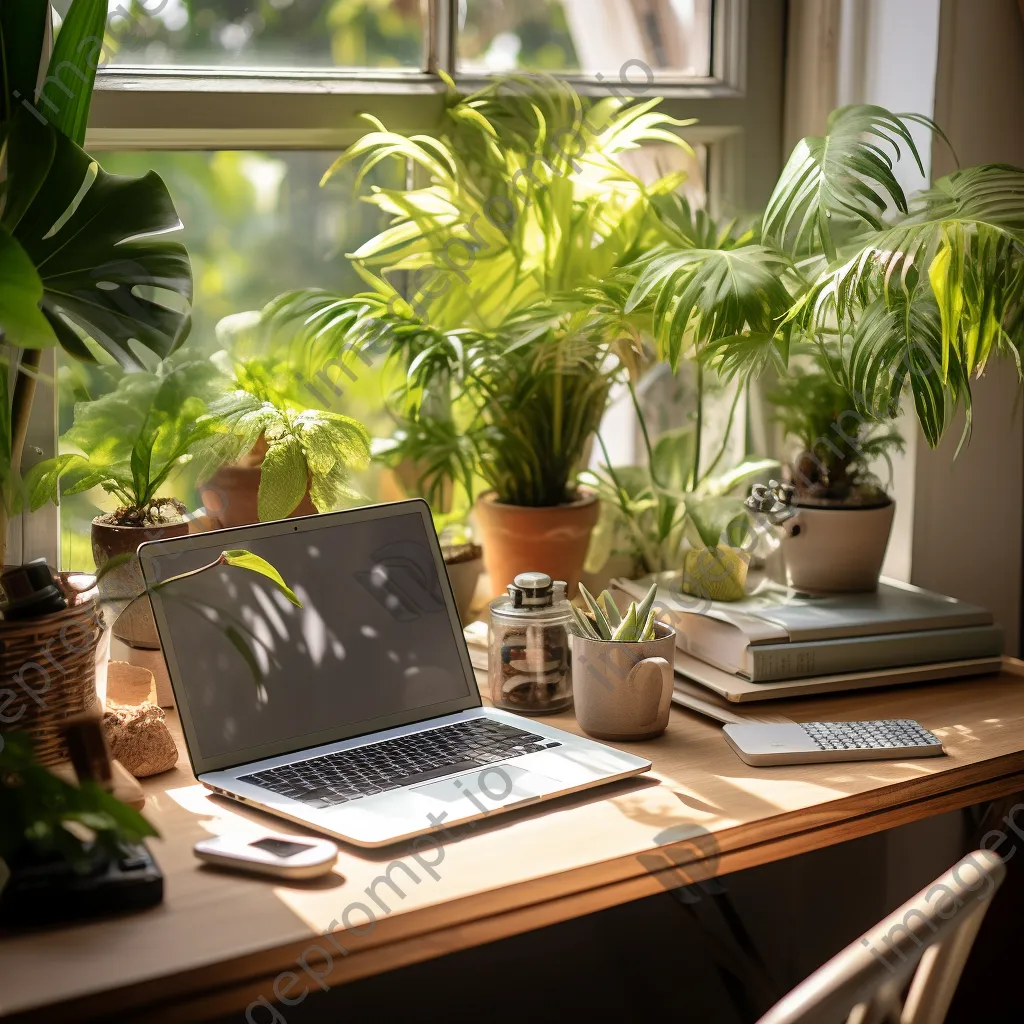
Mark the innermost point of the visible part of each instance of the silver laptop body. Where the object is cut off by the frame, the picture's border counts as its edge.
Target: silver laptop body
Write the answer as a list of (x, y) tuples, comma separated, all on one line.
[(374, 652)]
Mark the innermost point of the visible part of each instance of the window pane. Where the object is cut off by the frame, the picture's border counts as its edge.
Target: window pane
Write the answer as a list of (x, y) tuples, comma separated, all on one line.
[(264, 33), (586, 36), (654, 160), (256, 224)]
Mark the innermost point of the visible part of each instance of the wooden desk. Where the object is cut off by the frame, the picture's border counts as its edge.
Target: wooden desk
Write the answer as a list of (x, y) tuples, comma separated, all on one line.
[(221, 942)]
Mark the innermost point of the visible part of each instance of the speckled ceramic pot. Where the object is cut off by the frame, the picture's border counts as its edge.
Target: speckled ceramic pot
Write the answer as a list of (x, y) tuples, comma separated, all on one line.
[(623, 691)]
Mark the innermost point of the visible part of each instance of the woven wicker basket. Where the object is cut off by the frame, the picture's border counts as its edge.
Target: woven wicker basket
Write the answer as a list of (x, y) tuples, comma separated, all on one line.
[(48, 673)]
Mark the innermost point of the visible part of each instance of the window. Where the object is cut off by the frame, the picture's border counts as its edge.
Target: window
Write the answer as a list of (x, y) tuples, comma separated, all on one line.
[(241, 105)]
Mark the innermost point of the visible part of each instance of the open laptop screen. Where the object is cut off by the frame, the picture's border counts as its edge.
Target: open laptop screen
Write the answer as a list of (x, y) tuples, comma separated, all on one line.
[(373, 644)]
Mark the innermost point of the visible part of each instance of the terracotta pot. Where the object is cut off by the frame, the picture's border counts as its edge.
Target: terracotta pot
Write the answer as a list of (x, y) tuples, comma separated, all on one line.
[(135, 625), (231, 495), (552, 539), (623, 691), (836, 550)]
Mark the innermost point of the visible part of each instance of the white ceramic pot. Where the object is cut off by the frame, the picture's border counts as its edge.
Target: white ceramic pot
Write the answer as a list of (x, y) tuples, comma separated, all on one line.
[(464, 577), (836, 550), (623, 691)]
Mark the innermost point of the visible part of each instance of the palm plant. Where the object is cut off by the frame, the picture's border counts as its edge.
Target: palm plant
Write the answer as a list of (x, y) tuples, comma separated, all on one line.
[(837, 444), (507, 343), (78, 247), (899, 295), (303, 448)]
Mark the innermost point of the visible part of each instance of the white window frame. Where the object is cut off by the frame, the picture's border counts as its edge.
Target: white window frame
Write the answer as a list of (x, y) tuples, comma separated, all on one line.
[(738, 107)]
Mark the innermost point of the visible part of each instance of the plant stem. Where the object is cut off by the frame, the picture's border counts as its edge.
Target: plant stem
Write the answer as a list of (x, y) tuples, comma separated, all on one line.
[(698, 428), (192, 572), (21, 412), (646, 436), (21, 405), (619, 490), (725, 438)]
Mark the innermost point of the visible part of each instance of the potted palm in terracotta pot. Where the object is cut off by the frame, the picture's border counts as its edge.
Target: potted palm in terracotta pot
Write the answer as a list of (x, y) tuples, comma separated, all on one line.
[(901, 298), (507, 342)]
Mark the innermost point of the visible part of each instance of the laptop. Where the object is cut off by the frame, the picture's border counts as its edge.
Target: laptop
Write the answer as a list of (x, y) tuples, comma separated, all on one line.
[(355, 712)]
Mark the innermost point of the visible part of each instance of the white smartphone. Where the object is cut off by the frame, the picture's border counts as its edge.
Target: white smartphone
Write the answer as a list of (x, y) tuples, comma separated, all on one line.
[(280, 856)]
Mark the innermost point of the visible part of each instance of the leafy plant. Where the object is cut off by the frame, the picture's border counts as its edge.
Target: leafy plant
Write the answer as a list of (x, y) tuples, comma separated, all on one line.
[(508, 342), (900, 295), (605, 623), (310, 448), (43, 814), (837, 442), (117, 593), (130, 440), (652, 512), (81, 251)]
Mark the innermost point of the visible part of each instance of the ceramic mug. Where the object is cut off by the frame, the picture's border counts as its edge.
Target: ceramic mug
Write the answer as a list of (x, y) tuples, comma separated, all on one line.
[(623, 691)]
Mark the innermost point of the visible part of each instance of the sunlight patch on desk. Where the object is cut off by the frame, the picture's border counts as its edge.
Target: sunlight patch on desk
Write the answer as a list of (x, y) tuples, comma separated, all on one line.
[(193, 798), (900, 768), (784, 793)]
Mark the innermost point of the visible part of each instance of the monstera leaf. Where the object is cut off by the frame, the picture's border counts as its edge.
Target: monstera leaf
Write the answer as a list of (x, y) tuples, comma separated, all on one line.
[(20, 293), (96, 242)]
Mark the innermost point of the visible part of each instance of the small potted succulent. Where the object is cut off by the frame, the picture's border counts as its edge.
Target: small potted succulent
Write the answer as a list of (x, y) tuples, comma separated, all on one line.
[(622, 668), (264, 456), (130, 441), (835, 517)]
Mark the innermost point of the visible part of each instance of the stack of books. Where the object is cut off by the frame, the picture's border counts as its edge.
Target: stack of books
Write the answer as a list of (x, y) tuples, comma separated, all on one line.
[(777, 643)]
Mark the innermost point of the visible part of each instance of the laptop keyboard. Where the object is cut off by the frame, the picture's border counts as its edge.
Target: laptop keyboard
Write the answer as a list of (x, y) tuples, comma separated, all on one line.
[(333, 779)]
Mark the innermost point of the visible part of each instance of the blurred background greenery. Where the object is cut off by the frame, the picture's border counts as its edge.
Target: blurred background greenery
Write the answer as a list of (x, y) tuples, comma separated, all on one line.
[(258, 223)]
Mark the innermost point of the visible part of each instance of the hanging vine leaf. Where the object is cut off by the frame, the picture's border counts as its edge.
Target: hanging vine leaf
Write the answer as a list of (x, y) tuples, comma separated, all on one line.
[(247, 560)]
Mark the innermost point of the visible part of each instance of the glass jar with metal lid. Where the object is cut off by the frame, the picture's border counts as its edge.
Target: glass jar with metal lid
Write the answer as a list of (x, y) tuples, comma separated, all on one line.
[(529, 664)]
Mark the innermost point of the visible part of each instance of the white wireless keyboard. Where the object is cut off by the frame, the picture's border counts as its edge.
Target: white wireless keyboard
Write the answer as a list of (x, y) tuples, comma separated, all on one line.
[(761, 743)]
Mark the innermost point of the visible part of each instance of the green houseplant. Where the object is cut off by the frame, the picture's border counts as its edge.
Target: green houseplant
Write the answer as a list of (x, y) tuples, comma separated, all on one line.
[(129, 443), (669, 516), (831, 485), (901, 298), (508, 345), (78, 247), (48, 818), (268, 457)]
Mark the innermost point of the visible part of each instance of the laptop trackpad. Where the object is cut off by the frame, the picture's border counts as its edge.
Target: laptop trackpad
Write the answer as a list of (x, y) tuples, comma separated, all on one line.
[(488, 788)]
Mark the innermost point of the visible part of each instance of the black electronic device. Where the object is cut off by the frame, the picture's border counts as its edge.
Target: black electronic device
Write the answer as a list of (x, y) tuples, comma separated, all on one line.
[(50, 891)]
